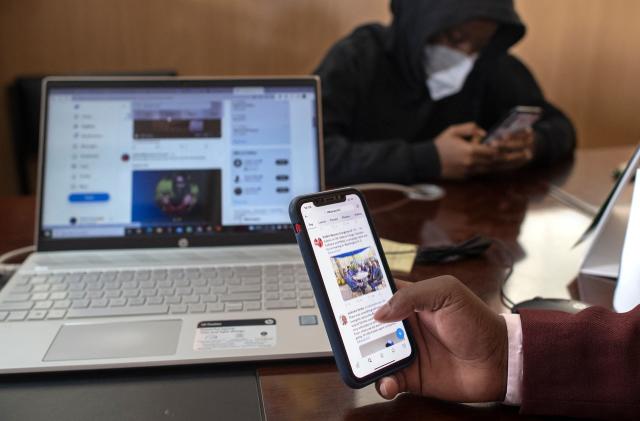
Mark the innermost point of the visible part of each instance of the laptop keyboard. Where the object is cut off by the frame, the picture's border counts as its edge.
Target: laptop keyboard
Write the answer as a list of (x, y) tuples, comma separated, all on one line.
[(78, 295)]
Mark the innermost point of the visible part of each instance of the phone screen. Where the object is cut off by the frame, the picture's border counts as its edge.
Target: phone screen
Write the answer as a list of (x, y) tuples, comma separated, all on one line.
[(516, 121), (356, 283)]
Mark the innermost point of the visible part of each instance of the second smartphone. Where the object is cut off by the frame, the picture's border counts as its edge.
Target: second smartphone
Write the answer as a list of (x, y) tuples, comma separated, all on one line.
[(351, 280)]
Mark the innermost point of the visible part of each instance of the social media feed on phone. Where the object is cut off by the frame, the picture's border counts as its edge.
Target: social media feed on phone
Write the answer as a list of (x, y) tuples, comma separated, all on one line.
[(356, 283)]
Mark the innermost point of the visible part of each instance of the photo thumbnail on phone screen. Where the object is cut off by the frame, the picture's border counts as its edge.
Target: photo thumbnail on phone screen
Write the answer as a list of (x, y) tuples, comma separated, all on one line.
[(356, 283)]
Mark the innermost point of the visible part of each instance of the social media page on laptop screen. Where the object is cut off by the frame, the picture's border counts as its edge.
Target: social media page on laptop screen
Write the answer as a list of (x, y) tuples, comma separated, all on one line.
[(356, 283), (189, 160)]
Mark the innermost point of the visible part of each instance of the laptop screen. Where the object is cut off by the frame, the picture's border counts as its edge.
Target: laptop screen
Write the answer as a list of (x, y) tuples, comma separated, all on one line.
[(176, 162)]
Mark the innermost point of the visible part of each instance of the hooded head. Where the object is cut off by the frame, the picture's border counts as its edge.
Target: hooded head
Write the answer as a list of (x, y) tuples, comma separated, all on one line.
[(416, 22)]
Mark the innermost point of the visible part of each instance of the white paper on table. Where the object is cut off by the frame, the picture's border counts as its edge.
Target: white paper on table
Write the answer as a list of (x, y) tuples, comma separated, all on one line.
[(627, 294)]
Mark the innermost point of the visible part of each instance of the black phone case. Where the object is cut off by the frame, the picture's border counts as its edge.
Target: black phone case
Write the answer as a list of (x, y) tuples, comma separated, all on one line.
[(333, 333)]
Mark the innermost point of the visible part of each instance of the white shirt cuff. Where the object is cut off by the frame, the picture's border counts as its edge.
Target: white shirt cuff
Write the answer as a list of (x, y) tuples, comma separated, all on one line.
[(514, 374)]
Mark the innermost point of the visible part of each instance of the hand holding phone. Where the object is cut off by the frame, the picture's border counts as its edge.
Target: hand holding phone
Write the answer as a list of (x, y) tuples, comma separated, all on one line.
[(351, 280)]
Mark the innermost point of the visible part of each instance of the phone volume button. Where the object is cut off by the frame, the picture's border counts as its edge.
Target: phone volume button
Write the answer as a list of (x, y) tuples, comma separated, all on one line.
[(297, 228)]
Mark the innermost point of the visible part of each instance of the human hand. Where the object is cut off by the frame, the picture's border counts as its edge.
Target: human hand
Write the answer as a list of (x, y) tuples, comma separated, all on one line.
[(460, 158), (462, 345), (515, 150)]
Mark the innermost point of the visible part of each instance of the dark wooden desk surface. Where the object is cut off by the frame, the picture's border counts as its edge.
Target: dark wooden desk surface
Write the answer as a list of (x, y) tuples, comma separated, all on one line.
[(537, 229)]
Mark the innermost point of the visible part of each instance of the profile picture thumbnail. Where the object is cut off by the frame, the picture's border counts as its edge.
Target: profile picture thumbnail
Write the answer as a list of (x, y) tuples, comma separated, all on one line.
[(176, 196), (358, 272)]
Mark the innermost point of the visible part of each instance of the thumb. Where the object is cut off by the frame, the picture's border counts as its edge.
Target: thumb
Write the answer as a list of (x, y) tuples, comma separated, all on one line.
[(428, 295), (466, 130)]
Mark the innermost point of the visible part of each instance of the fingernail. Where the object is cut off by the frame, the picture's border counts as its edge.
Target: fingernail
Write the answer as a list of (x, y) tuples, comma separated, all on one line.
[(383, 388), (382, 312)]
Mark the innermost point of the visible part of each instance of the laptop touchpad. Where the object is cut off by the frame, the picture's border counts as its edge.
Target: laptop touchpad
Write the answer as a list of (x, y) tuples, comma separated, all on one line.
[(115, 340)]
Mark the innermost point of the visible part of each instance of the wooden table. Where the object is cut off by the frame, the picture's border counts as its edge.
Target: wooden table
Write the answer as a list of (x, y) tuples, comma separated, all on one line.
[(534, 228)]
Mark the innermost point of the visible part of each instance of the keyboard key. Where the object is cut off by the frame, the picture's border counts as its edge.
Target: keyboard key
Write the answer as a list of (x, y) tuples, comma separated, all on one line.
[(64, 304), (3, 315), (252, 305), (76, 295), (215, 307), (38, 280), (178, 308), (94, 294), (182, 283), (109, 276), (130, 285), (15, 316), (58, 295), (212, 298), (136, 301), (111, 285), (201, 290), (253, 280), (155, 300), (234, 306), (41, 288), (307, 303), (149, 292), (43, 305), (112, 294), (118, 311), (280, 304), (190, 299), (271, 296), (164, 283), (245, 288), (117, 302), (288, 287), (184, 291), (16, 298), (59, 287), (173, 300), (21, 279), (248, 296), (147, 284), (305, 294), (80, 303), (99, 302), (197, 308), (201, 282), (131, 293), (37, 315), (56, 314), (91, 277), (20, 289), (23, 305), (76, 286), (95, 286)]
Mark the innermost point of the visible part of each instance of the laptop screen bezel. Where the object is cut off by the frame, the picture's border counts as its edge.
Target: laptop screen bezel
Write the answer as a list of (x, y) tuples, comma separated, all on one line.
[(168, 240)]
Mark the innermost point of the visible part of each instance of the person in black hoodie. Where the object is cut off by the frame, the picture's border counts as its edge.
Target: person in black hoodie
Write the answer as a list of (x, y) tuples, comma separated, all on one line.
[(409, 102)]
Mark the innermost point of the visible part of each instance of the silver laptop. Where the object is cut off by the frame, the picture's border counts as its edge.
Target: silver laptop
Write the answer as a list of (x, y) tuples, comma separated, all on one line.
[(607, 230), (162, 230)]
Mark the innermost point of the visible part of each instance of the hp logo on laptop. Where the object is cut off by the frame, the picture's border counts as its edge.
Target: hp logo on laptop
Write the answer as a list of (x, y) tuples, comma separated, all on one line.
[(183, 242)]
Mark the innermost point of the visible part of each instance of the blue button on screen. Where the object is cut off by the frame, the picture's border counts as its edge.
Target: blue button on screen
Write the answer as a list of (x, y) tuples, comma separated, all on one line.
[(400, 333), (88, 197)]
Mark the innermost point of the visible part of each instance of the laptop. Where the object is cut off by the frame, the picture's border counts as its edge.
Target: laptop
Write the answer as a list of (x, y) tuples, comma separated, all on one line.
[(608, 227), (162, 228)]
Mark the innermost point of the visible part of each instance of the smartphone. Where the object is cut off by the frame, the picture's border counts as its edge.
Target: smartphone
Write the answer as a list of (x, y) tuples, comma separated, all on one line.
[(519, 118), (351, 280)]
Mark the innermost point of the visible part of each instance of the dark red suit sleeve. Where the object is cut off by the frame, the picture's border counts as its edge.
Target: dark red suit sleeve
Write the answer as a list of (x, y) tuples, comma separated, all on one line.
[(581, 365)]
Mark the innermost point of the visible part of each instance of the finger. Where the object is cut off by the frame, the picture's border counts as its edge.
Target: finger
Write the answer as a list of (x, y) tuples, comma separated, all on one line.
[(482, 153), (389, 387), (466, 130), (430, 294)]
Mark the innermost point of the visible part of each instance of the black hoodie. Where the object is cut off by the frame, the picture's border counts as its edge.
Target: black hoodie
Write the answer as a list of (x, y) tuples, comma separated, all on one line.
[(379, 118)]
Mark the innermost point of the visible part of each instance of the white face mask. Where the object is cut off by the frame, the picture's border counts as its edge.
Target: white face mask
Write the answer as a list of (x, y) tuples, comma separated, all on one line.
[(447, 70)]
